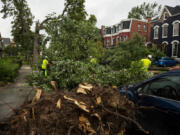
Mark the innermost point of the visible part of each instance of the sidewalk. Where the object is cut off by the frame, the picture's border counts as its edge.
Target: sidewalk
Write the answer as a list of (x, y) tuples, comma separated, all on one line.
[(15, 94)]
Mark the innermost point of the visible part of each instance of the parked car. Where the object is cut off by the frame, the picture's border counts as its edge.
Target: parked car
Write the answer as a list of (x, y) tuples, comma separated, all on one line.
[(166, 62), (161, 91)]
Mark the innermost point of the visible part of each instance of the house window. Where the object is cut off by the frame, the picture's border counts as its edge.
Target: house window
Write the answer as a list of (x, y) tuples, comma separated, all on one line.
[(164, 30), (164, 47), (145, 28), (125, 38), (175, 48), (114, 29), (108, 42), (117, 40), (176, 28), (117, 28), (156, 32), (112, 41), (139, 27), (166, 15), (120, 38)]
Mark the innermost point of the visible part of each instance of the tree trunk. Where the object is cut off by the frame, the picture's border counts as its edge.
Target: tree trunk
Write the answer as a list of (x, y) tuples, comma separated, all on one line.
[(36, 39)]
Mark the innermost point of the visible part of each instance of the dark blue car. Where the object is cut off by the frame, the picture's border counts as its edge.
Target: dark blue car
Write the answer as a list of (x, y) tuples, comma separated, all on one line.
[(166, 62), (161, 91)]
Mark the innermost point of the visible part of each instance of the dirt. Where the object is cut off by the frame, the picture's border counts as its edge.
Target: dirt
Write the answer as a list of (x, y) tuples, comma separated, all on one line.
[(97, 111)]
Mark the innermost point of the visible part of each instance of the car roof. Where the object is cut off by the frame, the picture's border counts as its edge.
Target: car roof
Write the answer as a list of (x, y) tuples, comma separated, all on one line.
[(171, 72)]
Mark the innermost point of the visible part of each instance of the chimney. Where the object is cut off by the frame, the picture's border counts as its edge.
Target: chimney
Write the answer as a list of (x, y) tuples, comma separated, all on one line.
[(102, 30), (149, 19)]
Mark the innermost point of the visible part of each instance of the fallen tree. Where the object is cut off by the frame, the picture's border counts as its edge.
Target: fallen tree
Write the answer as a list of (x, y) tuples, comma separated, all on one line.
[(85, 110)]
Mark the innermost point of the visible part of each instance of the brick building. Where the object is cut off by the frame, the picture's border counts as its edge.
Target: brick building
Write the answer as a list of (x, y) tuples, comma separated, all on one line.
[(124, 30)]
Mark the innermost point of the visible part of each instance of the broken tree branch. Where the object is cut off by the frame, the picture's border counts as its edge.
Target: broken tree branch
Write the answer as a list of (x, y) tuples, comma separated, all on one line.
[(127, 118)]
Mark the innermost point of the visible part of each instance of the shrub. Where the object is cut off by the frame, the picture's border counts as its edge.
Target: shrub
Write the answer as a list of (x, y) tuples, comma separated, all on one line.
[(68, 74), (8, 70), (124, 53)]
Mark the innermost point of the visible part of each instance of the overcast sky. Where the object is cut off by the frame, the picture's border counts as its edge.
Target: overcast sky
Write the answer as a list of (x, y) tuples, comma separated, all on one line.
[(107, 12)]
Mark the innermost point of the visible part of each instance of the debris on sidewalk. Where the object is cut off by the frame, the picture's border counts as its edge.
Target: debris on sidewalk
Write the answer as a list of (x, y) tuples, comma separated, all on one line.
[(87, 110)]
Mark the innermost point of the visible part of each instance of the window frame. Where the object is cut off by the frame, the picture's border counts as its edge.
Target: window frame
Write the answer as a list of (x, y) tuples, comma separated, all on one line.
[(173, 44), (163, 28), (145, 27), (139, 27), (156, 28), (125, 37), (117, 39), (166, 14), (174, 28)]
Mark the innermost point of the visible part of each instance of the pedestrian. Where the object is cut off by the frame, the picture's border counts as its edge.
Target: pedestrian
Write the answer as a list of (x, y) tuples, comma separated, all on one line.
[(146, 62), (44, 65), (93, 61)]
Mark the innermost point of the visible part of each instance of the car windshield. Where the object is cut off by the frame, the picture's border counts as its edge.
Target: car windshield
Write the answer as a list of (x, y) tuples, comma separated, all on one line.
[(167, 58)]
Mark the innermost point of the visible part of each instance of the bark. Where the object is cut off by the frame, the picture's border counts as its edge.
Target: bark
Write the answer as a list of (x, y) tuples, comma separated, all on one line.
[(36, 39)]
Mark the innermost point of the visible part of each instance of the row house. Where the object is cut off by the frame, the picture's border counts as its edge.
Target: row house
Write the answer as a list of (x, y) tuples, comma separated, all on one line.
[(125, 30), (165, 31)]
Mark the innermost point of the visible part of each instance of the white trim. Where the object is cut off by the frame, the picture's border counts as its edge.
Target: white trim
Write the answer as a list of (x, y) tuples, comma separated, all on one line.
[(165, 8), (115, 34), (176, 21), (165, 24), (175, 41), (131, 24), (156, 27), (147, 43), (165, 42), (157, 32)]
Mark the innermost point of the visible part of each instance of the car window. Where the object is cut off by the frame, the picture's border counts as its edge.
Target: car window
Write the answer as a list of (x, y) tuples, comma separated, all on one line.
[(167, 86), (168, 58)]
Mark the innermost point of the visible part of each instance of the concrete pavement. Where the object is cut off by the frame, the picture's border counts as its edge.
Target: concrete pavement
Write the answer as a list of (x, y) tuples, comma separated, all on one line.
[(14, 95)]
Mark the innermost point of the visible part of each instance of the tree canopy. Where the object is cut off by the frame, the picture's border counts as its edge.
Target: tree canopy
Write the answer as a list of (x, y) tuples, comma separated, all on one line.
[(21, 23), (145, 10)]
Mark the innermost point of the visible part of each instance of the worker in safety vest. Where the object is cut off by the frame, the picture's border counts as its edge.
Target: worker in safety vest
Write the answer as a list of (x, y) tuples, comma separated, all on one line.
[(146, 63), (93, 60), (44, 65)]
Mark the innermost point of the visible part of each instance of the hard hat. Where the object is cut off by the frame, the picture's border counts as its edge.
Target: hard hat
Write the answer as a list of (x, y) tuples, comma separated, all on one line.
[(46, 57), (149, 56), (90, 56)]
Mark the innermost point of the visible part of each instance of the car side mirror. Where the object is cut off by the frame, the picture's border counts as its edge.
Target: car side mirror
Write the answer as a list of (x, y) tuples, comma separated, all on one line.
[(139, 90)]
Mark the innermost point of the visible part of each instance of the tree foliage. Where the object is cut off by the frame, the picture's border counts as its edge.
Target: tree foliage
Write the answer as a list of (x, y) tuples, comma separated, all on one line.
[(123, 67), (75, 9), (21, 23), (145, 10), (72, 39), (126, 52)]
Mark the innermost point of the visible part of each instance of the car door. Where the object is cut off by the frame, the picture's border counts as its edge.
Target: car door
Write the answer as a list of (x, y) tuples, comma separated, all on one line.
[(162, 93)]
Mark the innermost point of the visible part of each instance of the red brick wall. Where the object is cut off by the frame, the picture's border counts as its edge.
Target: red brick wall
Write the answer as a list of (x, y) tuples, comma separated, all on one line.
[(134, 29), (115, 37)]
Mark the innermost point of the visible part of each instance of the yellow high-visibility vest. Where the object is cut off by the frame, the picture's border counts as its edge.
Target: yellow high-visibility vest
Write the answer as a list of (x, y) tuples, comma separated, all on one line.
[(44, 64), (93, 61), (146, 64)]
